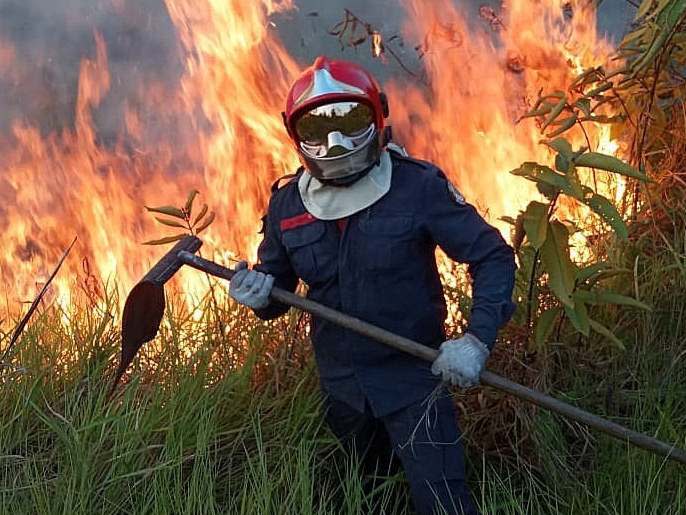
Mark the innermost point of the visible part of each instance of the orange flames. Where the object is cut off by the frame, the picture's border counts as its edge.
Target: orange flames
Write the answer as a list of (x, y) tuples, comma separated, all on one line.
[(465, 122), (236, 76)]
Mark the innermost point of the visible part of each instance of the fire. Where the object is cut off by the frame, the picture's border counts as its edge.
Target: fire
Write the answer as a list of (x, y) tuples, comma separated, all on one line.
[(239, 75), (236, 76), (465, 119), (377, 44)]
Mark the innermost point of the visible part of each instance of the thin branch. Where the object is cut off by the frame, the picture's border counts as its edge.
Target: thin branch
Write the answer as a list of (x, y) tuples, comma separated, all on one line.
[(35, 303), (588, 142)]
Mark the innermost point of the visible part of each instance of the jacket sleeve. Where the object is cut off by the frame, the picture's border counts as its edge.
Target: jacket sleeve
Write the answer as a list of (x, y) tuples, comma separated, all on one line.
[(464, 236), (272, 259)]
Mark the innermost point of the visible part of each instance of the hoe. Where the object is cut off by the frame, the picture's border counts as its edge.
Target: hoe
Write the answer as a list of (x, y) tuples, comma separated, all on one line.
[(145, 304)]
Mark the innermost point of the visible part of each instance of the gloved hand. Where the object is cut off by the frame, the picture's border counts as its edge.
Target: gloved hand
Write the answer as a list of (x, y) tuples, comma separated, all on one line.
[(250, 287), (461, 361)]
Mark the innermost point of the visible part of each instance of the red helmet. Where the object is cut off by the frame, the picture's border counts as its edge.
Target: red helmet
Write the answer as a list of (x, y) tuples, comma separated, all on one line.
[(341, 100)]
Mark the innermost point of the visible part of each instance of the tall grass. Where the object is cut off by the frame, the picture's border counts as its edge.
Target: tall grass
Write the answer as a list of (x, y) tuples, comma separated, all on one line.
[(226, 418)]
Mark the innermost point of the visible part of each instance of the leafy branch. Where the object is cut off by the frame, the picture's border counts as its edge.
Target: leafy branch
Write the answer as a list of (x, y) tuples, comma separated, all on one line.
[(181, 217), (537, 228), (649, 80), (639, 91)]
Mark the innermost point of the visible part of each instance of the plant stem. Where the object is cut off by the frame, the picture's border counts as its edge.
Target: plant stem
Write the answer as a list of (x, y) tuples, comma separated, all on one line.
[(639, 157), (213, 299), (530, 295)]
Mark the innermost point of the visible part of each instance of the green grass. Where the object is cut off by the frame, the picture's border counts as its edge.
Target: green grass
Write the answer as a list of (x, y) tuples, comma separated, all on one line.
[(225, 418)]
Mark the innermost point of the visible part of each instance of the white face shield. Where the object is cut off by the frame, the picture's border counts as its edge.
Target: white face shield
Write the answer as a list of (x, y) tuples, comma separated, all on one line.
[(336, 139), (337, 144)]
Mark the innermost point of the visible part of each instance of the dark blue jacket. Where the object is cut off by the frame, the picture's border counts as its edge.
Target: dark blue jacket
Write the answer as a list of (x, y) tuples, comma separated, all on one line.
[(382, 269)]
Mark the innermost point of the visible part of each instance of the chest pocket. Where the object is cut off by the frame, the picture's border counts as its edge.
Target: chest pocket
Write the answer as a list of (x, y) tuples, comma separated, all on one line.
[(387, 241), (311, 257)]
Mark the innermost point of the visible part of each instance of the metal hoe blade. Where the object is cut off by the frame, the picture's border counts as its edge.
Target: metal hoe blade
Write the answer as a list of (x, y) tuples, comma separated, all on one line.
[(144, 307)]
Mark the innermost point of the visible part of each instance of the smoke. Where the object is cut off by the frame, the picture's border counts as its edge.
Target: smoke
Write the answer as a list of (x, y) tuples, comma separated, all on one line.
[(45, 43), (42, 44)]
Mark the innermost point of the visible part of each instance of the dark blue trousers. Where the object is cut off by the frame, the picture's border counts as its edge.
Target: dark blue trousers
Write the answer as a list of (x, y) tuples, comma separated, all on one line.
[(422, 438)]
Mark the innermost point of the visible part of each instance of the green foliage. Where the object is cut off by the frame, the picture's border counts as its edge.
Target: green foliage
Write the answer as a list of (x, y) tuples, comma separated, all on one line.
[(660, 20), (536, 223), (578, 315), (641, 89), (550, 237), (212, 423), (608, 163), (557, 263), (545, 325), (181, 218), (642, 85)]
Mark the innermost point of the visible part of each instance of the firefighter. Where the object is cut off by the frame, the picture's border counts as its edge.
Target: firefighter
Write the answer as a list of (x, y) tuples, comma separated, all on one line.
[(359, 223)]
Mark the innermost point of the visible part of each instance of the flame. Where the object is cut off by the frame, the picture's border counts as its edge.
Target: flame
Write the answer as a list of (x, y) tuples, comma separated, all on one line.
[(377, 44), (465, 119), (231, 145)]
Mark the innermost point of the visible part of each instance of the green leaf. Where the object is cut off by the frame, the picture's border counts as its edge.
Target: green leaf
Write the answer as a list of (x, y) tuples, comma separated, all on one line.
[(556, 261), (585, 273), (206, 223), (168, 239), (608, 297), (544, 108), (589, 74), (170, 223), (518, 233), (544, 325), (578, 315), (167, 210), (548, 191), (584, 104), (599, 89), (562, 163), (536, 223), (508, 220), (564, 126), (189, 202), (601, 118), (540, 173), (202, 213), (669, 16), (555, 112), (604, 331), (576, 189), (608, 163), (607, 211), (559, 145)]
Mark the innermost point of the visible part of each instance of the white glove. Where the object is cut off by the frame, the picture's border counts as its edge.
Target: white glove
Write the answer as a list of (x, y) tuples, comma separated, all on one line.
[(250, 287), (461, 361)]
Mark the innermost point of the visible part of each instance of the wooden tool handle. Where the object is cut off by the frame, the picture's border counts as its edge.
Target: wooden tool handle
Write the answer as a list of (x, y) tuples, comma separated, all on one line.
[(426, 353)]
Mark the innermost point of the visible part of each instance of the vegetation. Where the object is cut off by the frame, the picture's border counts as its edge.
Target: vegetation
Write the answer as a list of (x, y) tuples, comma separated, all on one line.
[(225, 417), (230, 424)]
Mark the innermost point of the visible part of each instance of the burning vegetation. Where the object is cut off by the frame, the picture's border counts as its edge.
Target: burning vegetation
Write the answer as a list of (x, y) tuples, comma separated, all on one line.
[(232, 146), (591, 131)]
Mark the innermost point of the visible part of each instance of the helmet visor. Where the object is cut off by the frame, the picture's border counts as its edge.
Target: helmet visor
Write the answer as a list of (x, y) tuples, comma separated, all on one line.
[(351, 119)]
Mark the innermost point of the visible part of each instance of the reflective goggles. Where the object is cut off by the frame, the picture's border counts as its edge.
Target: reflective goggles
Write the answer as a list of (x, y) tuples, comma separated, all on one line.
[(351, 119)]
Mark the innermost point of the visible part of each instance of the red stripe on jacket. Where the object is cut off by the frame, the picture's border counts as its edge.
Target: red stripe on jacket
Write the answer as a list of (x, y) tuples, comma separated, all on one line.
[(297, 221)]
